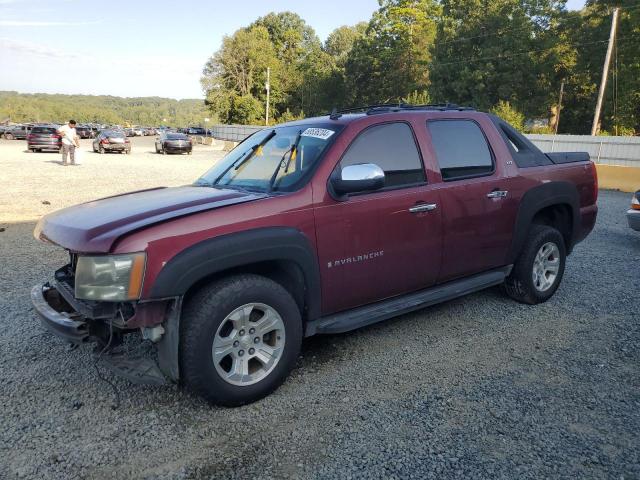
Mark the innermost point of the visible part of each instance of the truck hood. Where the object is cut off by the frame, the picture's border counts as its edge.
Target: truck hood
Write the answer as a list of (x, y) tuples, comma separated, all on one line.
[(95, 226)]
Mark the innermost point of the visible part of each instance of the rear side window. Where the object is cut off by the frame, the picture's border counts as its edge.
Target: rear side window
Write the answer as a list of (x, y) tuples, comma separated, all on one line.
[(392, 147), (48, 130), (461, 149)]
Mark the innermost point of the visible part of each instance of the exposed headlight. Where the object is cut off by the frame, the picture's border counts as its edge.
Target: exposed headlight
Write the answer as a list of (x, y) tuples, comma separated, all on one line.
[(635, 203), (110, 278)]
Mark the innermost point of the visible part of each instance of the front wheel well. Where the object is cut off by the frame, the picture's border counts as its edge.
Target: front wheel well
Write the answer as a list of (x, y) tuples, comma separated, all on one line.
[(286, 273), (559, 217)]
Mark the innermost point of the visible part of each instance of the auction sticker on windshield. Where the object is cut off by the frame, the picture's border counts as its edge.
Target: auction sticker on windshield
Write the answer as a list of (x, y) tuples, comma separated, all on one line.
[(321, 133)]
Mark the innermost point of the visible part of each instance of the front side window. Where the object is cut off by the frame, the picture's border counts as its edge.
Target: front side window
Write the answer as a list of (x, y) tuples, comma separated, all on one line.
[(273, 159), (392, 147), (461, 149)]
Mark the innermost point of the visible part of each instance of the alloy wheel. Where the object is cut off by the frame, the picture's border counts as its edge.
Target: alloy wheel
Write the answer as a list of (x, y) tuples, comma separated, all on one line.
[(546, 266), (248, 344)]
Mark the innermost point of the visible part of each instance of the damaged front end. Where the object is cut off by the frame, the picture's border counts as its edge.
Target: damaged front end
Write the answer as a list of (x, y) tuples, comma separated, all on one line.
[(107, 323)]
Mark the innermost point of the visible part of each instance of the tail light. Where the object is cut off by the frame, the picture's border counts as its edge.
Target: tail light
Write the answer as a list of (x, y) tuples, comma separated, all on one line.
[(595, 182), (635, 203), (30, 137), (104, 141), (126, 140), (57, 137)]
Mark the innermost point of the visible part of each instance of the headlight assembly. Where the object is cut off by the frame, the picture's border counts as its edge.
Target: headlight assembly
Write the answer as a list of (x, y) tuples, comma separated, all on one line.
[(110, 278)]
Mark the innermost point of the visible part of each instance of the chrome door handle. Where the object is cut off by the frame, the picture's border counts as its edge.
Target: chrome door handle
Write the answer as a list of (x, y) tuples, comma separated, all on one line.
[(497, 194), (423, 207)]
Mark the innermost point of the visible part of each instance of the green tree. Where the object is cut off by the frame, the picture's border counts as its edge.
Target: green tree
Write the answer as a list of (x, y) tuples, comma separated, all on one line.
[(499, 50), (505, 111), (238, 71), (391, 60)]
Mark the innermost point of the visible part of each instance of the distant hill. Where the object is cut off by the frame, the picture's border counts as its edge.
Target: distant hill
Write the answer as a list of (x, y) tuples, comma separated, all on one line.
[(42, 107)]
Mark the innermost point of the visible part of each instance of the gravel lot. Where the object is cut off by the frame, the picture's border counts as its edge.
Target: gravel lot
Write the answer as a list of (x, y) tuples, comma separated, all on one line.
[(480, 387)]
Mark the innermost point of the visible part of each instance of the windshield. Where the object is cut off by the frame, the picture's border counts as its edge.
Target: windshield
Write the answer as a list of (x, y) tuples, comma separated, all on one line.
[(270, 159)]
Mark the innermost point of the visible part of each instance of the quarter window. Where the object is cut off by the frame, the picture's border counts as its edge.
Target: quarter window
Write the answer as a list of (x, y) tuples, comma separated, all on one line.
[(392, 147), (461, 149)]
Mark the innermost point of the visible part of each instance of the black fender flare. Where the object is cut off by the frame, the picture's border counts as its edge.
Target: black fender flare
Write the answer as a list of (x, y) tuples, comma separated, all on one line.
[(234, 250), (538, 198)]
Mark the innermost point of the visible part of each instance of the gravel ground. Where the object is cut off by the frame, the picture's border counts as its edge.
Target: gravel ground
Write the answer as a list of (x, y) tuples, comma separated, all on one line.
[(479, 387)]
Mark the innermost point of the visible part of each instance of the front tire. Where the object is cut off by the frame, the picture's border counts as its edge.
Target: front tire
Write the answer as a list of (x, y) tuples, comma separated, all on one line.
[(240, 338), (539, 269), (101, 150)]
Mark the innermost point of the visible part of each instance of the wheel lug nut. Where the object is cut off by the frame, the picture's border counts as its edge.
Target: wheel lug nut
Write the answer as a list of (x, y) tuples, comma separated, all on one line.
[(252, 331), (236, 343), (241, 353), (252, 351), (241, 332), (256, 340)]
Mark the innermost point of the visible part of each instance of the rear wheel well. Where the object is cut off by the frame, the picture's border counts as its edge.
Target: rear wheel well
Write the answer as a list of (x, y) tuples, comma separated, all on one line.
[(284, 272), (559, 217)]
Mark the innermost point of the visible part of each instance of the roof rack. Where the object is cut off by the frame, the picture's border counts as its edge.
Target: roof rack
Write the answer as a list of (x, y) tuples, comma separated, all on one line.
[(398, 107)]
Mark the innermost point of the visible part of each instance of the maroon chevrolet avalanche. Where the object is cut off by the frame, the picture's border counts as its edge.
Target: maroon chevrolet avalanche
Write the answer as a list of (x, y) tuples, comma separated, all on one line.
[(318, 226)]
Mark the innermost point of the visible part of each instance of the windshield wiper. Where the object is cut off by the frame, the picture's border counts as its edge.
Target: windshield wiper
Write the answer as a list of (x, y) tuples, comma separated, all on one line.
[(292, 150), (245, 157)]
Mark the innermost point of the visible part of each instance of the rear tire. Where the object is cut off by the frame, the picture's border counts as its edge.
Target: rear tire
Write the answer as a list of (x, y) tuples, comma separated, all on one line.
[(8, 136), (239, 339), (539, 268), (101, 150)]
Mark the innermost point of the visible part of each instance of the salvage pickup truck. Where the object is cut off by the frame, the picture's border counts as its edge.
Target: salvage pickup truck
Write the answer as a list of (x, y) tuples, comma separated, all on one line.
[(319, 226)]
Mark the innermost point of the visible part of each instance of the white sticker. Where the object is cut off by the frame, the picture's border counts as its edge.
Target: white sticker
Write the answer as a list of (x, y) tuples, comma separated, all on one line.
[(321, 133)]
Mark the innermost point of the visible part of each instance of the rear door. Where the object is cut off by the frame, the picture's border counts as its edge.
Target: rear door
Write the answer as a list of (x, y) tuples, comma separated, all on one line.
[(478, 210), (377, 244)]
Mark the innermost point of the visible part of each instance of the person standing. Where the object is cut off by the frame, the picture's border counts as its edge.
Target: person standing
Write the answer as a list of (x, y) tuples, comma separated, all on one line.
[(70, 141)]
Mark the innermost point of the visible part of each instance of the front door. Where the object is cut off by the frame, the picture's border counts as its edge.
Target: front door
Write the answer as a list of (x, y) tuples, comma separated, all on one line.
[(376, 245)]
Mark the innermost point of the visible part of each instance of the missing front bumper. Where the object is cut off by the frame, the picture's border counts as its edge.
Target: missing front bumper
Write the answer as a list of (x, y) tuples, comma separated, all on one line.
[(64, 320), (57, 316)]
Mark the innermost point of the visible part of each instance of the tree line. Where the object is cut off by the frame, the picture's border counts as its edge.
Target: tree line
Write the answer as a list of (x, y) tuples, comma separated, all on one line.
[(508, 56), (147, 111)]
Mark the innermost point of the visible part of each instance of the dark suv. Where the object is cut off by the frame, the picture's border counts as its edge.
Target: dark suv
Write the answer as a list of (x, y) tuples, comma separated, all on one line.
[(85, 132), (44, 138), (173, 143), (111, 141), (17, 132), (318, 226)]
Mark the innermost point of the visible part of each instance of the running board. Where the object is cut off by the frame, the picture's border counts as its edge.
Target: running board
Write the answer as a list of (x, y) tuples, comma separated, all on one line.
[(377, 312)]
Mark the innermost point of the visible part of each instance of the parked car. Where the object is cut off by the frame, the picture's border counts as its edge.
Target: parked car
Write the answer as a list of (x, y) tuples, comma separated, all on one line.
[(138, 131), (17, 132), (173, 143), (44, 138), (196, 131), (148, 132), (111, 141), (129, 132), (85, 132), (319, 226), (633, 214)]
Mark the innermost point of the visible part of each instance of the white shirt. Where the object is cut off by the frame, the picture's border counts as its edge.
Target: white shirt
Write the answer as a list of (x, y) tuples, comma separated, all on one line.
[(68, 134)]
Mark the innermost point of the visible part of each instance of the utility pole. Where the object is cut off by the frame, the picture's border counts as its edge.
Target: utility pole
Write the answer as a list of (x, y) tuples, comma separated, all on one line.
[(605, 71), (268, 87), (559, 107)]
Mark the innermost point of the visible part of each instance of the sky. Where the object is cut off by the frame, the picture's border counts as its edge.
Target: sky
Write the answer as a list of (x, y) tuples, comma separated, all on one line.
[(138, 48)]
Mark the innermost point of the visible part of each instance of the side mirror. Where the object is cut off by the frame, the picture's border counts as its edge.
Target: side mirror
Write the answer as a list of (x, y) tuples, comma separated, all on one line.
[(357, 178)]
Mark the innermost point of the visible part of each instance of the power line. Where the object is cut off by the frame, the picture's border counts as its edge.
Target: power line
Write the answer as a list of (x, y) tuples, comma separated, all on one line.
[(527, 27), (502, 57)]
